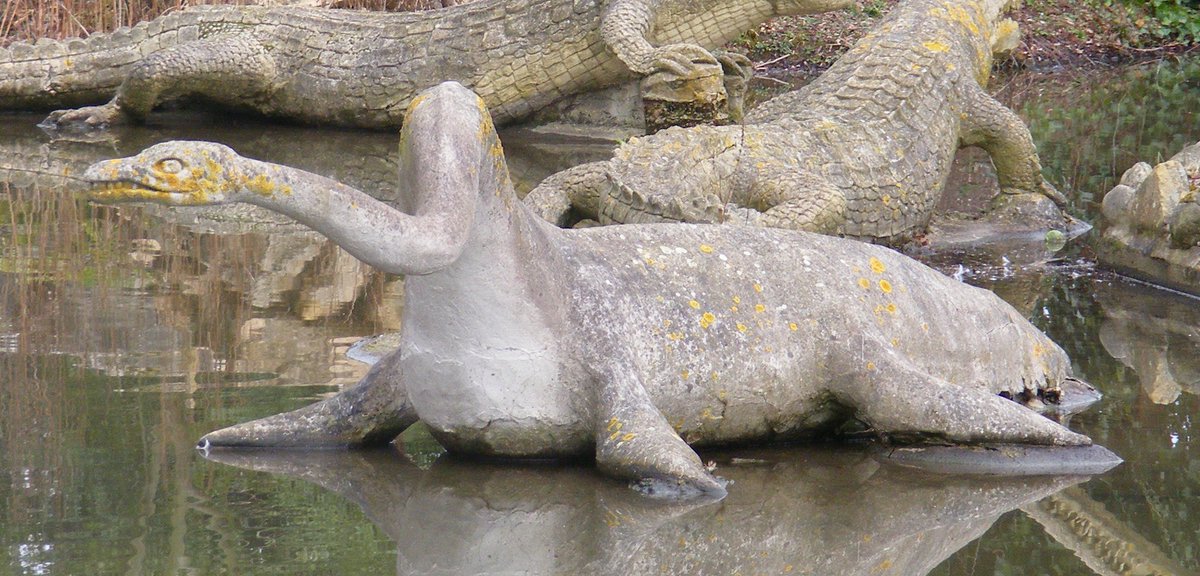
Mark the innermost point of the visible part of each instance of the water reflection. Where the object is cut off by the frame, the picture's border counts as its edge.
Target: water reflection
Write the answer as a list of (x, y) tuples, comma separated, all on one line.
[(801, 511), (1157, 334)]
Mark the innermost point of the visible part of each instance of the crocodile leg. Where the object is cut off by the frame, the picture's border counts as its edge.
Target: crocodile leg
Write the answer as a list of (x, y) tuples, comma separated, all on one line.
[(231, 69), (739, 71), (574, 190), (999, 131), (625, 27), (907, 402), (795, 200), (372, 412)]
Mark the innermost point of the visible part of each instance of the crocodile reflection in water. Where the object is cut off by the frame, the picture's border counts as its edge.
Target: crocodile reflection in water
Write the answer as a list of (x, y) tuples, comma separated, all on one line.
[(800, 510)]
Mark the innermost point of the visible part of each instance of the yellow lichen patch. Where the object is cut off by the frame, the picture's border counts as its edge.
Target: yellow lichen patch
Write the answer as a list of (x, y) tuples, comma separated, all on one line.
[(876, 265), (715, 376), (675, 335), (895, 342), (721, 394), (707, 319), (614, 424), (870, 365), (936, 46), (793, 326), (864, 283), (741, 327), (758, 288), (629, 436), (685, 374), (694, 304), (261, 185), (887, 199), (891, 308), (705, 248), (925, 326), (885, 286), (649, 261), (760, 308), (737, 300)]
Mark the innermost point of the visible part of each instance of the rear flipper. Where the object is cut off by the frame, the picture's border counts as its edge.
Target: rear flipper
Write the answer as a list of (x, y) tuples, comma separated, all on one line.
[(236, 71), (900, 402), (635, 442), (372, 412)]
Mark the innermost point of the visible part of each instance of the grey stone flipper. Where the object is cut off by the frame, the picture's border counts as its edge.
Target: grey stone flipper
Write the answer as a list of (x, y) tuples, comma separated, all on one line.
[(372, 412)]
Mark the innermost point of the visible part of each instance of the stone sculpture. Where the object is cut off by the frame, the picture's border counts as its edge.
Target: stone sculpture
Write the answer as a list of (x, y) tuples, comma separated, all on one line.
[(863, 151), (361, 69), (521, 339), (1151, 225)]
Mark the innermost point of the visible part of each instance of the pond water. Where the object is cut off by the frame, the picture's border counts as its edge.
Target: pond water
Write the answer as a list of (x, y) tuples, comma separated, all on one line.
[(126, 333)]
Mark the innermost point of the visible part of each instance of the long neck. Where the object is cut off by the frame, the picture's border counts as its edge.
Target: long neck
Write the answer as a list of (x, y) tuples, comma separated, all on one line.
[(455, 195), (368, 229)]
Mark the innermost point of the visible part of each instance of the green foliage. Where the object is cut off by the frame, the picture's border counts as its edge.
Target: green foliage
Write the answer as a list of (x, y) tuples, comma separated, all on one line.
[(1178, 19)]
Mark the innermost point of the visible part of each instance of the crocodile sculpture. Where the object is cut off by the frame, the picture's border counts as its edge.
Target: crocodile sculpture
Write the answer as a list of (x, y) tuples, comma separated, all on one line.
[(354, 68), (863, 151), (522, 339), (1151, 225)]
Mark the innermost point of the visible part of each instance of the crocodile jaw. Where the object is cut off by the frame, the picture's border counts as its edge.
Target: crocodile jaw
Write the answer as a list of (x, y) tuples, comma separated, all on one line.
[(112, 192)]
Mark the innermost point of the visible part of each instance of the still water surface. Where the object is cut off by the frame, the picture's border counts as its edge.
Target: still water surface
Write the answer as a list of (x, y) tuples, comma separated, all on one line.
[(126, 333)]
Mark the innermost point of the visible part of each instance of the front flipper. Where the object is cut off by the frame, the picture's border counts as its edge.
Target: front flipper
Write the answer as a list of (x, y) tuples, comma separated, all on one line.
[(232, 70), (999, 131), (372, 412), (635, 442), (898, 401)]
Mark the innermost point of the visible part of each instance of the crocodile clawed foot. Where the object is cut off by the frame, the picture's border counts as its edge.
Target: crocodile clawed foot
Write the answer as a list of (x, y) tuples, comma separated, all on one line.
[(84, 119), (1052, 193), (682, 59), (735, 64)]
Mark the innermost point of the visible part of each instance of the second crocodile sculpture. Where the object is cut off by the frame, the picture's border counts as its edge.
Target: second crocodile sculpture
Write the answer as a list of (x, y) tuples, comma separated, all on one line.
[(355, 68), (521, 339), (863, 151)]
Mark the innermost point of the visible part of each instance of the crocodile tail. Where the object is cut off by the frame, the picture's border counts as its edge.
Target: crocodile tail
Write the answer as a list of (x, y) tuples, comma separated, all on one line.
[(50, 74)]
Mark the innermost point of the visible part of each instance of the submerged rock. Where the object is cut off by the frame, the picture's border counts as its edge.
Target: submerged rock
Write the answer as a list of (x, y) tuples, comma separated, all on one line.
[(1151, 224)]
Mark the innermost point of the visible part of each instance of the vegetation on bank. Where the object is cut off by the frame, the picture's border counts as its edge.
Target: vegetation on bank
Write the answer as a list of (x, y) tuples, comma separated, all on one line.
[(1055, 31)]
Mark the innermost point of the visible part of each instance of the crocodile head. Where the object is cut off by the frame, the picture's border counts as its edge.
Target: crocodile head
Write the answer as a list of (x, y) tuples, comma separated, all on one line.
[(177, 173)]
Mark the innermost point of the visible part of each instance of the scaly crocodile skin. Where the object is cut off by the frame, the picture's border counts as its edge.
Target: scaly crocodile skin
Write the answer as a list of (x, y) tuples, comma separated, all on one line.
[(863, 151), (363, 68)]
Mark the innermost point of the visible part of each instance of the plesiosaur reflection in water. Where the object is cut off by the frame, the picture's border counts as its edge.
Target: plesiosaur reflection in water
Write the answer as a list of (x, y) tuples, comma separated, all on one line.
[(794, 511)]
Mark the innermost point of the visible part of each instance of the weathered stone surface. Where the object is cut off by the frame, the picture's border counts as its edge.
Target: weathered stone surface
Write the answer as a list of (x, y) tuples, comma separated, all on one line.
[(521, 339), (362, 68), (863, 151), (1157, 197), (1151, 226)]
